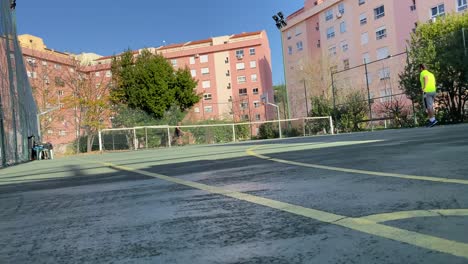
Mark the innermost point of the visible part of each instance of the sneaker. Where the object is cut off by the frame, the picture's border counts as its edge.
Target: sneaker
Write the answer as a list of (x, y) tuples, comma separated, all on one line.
[(433, 123)]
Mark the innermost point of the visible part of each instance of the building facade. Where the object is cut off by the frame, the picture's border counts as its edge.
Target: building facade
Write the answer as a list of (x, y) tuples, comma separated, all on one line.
[(233, 74), (327, 43)]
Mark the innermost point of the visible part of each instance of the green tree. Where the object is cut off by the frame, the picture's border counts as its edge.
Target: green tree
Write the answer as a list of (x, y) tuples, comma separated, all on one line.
[(149, 83), (280, 97), (440, 46), (353, 111)]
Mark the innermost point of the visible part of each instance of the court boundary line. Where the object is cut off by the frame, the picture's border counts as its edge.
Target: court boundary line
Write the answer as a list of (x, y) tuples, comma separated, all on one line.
[(251, 152), (363, 225)]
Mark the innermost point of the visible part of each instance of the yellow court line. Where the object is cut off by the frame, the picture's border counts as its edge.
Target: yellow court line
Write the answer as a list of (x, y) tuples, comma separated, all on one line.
[(379, 218), (373, 173), (364, 225)]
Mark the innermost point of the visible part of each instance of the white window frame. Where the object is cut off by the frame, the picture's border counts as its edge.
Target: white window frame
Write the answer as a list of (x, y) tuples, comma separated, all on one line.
[(206, 84), (239, 53), (193, 73), (208, 109), (438, 8), (378, 14), (205, 71), (240, 66), (332, 50), (462, 5), (364, 38), (299, 45), (256, 104), (241, 79), (174, 62), (254, 77), (363, 19), (329, 14), (384, 73), (346, 64), (97, 74), (255, 90), (383, 53), (381, 33), (298, 30), (203, 58), (207, 96), (344, 46), (252, 51), (108, 74), (253, 64), (366, 57), (341, 8), (242, 91), (192, 60), (330, 32), (290, 50), (343, 27)]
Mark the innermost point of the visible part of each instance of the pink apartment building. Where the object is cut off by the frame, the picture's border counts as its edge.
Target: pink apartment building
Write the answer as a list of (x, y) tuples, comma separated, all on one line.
[(336, 35), (233, 73)]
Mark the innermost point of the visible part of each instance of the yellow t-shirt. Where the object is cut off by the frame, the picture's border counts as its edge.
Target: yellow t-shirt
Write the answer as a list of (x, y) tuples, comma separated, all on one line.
[(431, 82)]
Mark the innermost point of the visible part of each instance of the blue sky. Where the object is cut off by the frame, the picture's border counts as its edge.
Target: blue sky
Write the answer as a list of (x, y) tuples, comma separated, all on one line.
[(110, 26)]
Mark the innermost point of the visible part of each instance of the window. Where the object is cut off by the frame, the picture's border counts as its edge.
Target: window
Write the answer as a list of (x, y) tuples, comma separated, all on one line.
[(205, 71), (361, 2), (196, 109), (382, 53), (253, 77), (288, 34), (174, 62), (346, 64), (461, 5), (332, 51), (252, 51), (239, 53), (243, 91), (60, 92), (364, 38), (59, 82), (344, 46), (334, 68), (108, 74), (62, 133), (366, 57), (206, 84), (379, 12), (228, 73), (289, 50), (298, 31), (438, 10), (329, 14), (341, 8), (240, 66), (57, 66), (343, 27), (192, 60), (363, 19), (384, 73), (330, 32), (44, 63), (207, 96), (226, 60), (255, 90), (241, 79), (50, 132), (381, 33), (193, 72), (244, 105), (253, 64), (256, 104), (208, 109), (71, 70), (203, 58), (299, 46), (97, 74), (257, 117), (385, 95)]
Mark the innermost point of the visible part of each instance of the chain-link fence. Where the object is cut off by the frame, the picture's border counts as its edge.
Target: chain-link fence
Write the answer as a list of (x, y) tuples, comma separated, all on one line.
[(18, 120), (369, 96)]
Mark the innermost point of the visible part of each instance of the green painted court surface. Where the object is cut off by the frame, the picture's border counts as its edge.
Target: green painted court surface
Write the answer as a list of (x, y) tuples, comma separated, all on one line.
[(395, 196)]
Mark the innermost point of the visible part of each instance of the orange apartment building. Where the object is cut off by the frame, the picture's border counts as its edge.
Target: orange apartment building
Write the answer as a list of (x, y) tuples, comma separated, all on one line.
[(233, 72), (328, 36)]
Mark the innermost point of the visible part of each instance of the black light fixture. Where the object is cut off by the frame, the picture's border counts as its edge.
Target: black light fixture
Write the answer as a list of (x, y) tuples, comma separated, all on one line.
[(279, 20), (13, 4)]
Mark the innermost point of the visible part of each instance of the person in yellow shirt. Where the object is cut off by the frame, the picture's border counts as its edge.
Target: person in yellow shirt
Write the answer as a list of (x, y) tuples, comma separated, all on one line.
[(428, 85)]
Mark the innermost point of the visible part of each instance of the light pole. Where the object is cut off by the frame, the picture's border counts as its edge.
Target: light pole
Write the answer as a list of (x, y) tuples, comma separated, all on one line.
[(279, 119), (281, 23)]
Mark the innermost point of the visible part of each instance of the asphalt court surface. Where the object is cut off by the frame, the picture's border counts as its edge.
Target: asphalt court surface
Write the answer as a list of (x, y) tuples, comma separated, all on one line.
[(395, 196)]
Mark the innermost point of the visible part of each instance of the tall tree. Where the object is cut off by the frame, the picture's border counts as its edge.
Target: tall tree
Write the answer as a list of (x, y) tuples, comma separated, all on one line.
[(149, 82), (442, 47)]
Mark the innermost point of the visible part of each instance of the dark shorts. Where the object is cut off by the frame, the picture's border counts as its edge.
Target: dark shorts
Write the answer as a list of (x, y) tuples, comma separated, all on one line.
[(429, 100)]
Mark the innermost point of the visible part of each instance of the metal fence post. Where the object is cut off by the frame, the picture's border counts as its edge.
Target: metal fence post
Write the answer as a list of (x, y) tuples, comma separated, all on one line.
[(233, 133), (100, 141), (368, 96)]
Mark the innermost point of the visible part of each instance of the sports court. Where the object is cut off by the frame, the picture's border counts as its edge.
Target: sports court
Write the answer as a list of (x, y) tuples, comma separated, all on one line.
[(393, 196)]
